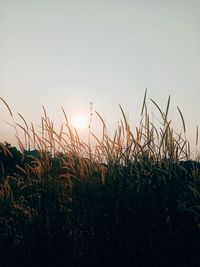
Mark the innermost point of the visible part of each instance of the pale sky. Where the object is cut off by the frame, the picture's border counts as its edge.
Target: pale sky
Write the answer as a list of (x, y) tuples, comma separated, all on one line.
[(71, 53)]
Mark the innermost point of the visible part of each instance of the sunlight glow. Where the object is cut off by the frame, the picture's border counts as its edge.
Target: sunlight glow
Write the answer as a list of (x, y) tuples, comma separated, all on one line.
[(79, 121)]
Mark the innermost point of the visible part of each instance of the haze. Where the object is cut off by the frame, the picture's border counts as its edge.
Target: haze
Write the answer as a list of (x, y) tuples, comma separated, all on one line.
[(71, 53)]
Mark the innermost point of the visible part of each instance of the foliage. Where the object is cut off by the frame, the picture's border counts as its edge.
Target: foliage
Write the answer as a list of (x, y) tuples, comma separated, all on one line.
[(131, 200)]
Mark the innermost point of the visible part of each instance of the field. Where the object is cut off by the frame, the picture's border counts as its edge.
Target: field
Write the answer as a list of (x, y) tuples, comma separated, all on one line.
[(131, 200)]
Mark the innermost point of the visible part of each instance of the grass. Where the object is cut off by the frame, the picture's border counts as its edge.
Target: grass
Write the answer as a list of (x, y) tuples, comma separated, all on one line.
[(130, 200)]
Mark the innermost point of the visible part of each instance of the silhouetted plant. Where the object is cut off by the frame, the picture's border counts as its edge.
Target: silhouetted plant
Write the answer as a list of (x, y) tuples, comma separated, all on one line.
[(131, 200)]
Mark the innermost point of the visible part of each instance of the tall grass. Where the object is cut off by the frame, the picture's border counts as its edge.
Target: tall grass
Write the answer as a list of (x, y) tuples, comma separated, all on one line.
[(128, 200)]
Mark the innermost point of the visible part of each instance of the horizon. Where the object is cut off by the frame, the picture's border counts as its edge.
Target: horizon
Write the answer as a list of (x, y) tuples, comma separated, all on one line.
[(71, 54)]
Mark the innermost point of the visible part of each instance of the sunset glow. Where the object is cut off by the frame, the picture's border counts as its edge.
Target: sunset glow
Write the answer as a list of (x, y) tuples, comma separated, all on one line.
[(79, 122)]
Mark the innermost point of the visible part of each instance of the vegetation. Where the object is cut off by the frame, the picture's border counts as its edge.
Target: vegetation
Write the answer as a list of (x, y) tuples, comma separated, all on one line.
[(131, 200)]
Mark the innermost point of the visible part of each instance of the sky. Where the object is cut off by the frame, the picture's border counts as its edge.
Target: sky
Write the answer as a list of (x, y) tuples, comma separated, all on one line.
[(71, 53)]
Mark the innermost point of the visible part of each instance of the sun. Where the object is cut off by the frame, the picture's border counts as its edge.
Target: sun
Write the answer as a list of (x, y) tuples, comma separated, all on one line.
[(79, 121)]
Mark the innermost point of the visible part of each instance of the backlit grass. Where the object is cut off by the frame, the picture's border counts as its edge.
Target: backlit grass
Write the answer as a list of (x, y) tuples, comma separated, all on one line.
[(132, 199)]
